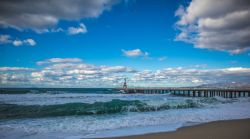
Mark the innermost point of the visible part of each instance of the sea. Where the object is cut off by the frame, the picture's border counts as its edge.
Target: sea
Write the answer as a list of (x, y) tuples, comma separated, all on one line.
[(74, 113)]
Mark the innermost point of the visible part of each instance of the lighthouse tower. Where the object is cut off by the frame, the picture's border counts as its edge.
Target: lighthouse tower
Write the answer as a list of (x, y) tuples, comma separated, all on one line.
[(125, 84)]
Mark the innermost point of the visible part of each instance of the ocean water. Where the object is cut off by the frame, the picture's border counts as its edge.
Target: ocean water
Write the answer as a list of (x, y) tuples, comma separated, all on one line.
[(93, 113)]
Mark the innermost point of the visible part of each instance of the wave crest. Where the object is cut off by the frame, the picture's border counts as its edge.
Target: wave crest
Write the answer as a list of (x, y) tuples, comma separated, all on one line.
[(10, 111)]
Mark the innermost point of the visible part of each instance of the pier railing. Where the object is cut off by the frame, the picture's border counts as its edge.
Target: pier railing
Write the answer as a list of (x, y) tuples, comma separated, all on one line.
[(193, 92)]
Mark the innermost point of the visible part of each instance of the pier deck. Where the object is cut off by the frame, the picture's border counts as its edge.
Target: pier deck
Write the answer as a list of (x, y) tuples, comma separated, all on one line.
[(192, 92)]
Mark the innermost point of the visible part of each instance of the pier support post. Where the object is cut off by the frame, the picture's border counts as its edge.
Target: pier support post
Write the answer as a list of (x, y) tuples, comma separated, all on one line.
[(199, 93)]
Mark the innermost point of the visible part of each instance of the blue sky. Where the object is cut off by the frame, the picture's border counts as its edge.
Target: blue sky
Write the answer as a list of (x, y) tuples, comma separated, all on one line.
[(143, 35)]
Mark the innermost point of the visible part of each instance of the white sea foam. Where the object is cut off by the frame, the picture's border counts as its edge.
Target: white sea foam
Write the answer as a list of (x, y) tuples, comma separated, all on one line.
[(122, 124)]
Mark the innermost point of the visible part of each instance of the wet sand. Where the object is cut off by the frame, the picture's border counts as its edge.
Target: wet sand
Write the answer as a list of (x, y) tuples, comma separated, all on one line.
[(232, 129)]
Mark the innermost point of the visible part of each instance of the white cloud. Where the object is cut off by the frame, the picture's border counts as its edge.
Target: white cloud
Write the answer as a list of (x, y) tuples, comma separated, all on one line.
[(81, 29), (7, 39), (191, 77), (235, 69), (197, 81), (218, 25), (66, 71), (72, 72), (77, 30), (43, 15), (140, 53), (56, 30), (134, 53), (30, 42), (116, 69), (15, 69), (59, 60), (17, 43)]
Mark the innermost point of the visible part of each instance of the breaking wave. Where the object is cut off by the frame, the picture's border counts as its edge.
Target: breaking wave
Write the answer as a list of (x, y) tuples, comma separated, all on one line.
[(12, 111)]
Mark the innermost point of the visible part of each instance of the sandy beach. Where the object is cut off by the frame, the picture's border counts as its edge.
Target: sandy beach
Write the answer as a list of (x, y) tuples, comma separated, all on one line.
[(232, 129)]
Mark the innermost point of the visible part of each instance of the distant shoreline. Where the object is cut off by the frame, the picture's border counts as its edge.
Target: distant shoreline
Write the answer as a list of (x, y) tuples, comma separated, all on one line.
[(228, 129)]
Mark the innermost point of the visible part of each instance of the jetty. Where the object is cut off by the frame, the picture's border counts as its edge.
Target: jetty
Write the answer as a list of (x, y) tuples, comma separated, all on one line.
[(190, 91)]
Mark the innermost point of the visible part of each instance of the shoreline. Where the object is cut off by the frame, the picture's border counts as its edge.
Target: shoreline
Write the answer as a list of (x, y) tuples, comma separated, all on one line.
[(225, 129)]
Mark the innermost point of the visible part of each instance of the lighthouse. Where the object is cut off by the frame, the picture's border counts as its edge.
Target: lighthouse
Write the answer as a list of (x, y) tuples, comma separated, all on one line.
[(125, 84)]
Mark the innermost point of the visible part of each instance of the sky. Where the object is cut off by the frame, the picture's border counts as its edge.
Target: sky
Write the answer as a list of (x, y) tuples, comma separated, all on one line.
[(97, 43)]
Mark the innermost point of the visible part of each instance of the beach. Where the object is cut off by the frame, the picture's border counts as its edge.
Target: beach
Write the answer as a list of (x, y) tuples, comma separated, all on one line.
[(229, 129)]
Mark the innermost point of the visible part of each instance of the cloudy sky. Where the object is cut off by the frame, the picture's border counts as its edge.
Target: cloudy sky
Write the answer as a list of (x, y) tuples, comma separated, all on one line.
[(96, 43)]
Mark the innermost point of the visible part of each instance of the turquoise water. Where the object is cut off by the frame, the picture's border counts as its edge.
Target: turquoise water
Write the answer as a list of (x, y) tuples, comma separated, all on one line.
[(90, 113)]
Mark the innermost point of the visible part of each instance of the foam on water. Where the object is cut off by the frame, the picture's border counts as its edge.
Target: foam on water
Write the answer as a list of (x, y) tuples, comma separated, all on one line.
[(124, 122), (129, 123)]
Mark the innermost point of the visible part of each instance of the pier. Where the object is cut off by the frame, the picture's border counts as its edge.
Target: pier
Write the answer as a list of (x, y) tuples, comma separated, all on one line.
[(192, 92)]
